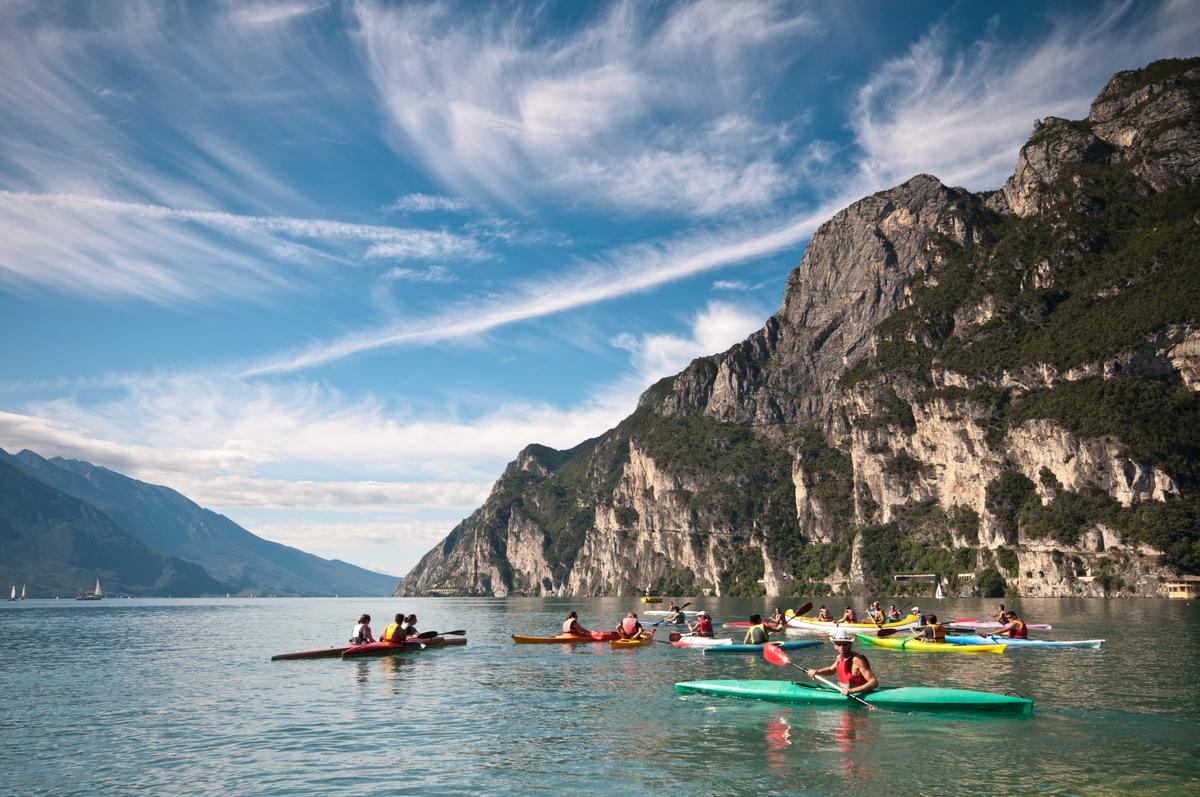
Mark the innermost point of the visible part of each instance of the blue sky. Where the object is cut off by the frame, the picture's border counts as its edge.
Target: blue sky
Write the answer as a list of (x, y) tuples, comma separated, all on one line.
[(327, 266)]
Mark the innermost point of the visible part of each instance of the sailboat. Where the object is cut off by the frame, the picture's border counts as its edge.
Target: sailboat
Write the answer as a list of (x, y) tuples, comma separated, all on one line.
[(92, 596), (12, 596), (939, 594), (22, 592)]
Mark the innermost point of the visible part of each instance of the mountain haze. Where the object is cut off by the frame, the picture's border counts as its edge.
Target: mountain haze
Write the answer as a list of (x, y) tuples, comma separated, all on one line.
[(1001, 388), (163, 520)]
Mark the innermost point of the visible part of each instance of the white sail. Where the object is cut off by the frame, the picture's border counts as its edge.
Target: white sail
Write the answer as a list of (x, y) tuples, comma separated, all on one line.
[(939, 595), (98, 592), (13, 595), (22, 592)]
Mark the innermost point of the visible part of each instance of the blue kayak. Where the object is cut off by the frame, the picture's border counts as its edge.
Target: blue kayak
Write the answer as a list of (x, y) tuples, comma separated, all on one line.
[(789, 645), (1094, 644)]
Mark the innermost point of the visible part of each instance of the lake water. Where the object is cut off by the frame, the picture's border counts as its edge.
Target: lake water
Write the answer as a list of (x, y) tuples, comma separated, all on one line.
[(180, 697)]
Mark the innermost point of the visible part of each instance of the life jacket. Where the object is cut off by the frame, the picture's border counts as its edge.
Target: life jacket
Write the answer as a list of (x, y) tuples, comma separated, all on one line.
[(846, 674), (853, 617), (630, 626), (757, 635), (704, 627), (394, 633), (937, 632), (824, 615), (893, 616), (569, 625), (1020, 632)]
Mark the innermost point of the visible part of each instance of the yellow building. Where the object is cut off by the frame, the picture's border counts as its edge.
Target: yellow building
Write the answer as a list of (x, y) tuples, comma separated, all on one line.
[(1185, 588)]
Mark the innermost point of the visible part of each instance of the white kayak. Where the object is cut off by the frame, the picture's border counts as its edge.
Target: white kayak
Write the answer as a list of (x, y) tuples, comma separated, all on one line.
[(984, 625), (813, 625), (701, 642), (662, 613)]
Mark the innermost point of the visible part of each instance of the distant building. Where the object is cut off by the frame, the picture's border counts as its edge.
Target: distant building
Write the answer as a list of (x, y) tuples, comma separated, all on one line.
[(1184, 588)]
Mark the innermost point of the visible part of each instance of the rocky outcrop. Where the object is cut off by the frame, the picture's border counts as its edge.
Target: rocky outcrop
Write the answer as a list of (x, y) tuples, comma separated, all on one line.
[(954, 383)]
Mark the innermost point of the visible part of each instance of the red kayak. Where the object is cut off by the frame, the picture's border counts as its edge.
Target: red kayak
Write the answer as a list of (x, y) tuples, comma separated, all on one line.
[(315, 653), (390, 649)]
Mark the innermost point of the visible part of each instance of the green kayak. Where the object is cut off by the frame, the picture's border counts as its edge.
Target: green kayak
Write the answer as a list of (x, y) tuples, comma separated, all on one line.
[(896, 698)]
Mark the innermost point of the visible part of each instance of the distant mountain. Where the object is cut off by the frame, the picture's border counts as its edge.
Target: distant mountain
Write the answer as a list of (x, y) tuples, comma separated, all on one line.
[(167, 521), (59, 545), (999, 389)]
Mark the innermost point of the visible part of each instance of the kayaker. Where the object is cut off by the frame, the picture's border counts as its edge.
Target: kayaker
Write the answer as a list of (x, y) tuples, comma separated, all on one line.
[(931, 631), (572, 627), (756, 634), (630, 628), (395, 634), (893, 614), (875, 614), (410, 625), (917, 611), (1014, 627), (852, 669), (362, 631), (824, 616), (849, 616), (777, 618), (1000, 615), (703, 625), (676, 616)]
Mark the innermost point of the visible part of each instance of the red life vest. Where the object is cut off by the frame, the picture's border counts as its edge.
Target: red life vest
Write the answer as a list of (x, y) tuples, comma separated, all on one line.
[(845, 672), (629, 626), (1020, 632), (704, 627), (853, 617)]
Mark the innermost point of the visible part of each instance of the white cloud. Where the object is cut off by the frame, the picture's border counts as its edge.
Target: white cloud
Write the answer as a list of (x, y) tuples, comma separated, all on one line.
[(423, 203), (714, 329), (963, 114), (255, 15), (431, 274), (492, 111)]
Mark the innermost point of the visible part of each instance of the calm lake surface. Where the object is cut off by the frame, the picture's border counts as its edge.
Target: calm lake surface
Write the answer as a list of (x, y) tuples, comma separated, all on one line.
[(180, 697)]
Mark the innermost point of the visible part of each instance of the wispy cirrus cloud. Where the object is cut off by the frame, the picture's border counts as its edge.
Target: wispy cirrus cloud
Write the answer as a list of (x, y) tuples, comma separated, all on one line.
[(425, 203), (962, 114), (494, 111)]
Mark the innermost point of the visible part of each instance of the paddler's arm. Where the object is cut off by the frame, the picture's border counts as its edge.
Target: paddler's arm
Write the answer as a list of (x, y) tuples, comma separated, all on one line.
[(830, 670)]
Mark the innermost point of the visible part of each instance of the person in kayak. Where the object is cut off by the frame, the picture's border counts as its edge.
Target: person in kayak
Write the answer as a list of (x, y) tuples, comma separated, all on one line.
[(1000, 614), (571, 626), (931, 631), (852, 669), (1014, 627), (756, 634), (676, 616), (875, 614), (777, 619), (630, 628), (410, 625), (703, 625), (395, 634), (893, 614), (824, 616), (849, 616), (362, 631)]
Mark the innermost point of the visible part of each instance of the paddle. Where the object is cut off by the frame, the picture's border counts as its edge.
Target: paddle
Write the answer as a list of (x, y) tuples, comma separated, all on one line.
[(432, 634), (774, 654), (681, 608)]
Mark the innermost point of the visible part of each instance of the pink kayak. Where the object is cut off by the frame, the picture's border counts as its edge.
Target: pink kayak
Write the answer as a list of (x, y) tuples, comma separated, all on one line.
[(990, 624)]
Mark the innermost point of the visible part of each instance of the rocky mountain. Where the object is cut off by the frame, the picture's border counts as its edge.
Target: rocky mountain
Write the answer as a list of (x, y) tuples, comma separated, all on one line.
[(1000, 388), (59, 545), (160, 518)]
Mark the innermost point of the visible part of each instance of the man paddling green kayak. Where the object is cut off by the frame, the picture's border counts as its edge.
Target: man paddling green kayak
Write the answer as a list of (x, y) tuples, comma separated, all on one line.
[(852, 669)]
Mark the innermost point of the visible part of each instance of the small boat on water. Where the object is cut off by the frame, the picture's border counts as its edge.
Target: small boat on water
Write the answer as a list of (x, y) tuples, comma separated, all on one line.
[(22, 592), (12, 596), (96, 595)]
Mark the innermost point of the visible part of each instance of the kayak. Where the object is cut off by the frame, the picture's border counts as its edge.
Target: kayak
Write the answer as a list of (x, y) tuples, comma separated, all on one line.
[(746, 624), (565, 639), (789, 645), (1094, 644), (897, 698), (912, 643), (701, 641), (410, 646), (662, 613), (983, 625), (620, 644), (826, 626), (651, 599), (315, 653)]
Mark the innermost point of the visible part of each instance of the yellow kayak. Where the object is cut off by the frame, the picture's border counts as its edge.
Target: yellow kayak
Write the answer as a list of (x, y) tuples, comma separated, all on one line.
[(911, 643), (828, 626), (618, 644), (651, 599)]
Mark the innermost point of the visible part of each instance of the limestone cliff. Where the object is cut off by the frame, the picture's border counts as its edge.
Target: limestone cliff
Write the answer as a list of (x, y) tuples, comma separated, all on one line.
[(1002, 389)]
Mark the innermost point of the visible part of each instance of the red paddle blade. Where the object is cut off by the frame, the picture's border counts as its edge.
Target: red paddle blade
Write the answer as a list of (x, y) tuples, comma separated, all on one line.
[(674, 636), (774, 654)]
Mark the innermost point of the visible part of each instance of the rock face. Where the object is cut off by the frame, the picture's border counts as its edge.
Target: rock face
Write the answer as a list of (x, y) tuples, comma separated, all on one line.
[(994, 388)]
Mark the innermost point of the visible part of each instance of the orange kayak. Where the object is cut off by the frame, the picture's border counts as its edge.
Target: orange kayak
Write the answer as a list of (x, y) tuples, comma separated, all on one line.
[(564, 639)]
